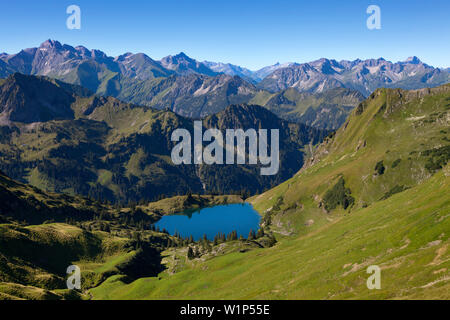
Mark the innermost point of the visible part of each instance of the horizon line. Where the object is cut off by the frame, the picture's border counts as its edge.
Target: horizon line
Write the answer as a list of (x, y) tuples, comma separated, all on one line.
[(228, 63)]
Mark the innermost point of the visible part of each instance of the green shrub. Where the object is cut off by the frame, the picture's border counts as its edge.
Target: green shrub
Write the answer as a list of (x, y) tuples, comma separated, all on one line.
[(379, 168), (339, 195), (278, 204), (190, 254), (396, 163), (394, 190)]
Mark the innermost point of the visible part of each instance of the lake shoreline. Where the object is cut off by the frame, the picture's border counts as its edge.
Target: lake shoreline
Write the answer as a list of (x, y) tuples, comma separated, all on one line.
[(233, 221), (181, 204)]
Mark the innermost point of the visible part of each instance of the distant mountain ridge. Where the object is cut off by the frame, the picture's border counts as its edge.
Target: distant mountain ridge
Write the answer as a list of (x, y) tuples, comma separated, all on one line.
[(198, 89), (52, 58), (232, 70), (182, 64), (362, 75), (324, 110), (178, 82), (247, 74)]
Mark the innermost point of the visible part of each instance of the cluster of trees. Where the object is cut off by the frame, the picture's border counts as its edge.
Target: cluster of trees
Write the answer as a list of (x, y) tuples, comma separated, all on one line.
[(179, 241), (339, 195), (437, 158), (233, 236), (13, 166), (380, 168), (206, 244), (256, 235)]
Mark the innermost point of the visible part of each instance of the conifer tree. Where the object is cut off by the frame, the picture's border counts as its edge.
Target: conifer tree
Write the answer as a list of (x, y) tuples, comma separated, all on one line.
[(260, 233), (190, 254)]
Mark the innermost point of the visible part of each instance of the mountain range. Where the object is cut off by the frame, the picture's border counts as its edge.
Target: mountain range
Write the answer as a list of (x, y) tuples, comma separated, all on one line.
[(61, 106), (247, 74), (197, 89), (362, 75)]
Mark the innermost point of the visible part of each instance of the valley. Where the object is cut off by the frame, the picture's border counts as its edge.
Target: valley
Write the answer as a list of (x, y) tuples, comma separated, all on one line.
[(369, 194)]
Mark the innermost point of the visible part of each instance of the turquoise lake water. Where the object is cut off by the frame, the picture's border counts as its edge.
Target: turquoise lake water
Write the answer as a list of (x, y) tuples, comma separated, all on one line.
[(210, 221)]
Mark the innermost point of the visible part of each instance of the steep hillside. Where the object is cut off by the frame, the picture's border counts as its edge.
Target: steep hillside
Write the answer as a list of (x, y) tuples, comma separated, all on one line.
[(20, 202), (393, 141), (32, 99), (293, 137), (375, 193)]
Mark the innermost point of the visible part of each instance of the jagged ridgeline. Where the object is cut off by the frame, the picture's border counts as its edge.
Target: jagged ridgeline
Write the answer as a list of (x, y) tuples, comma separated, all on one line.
[(62, 138), (320, 93)]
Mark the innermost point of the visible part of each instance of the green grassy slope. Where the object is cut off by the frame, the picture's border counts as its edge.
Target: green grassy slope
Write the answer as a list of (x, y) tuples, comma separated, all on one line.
[(41, 234), (406, 131), (35, 251), (392, 213), (36, 258), (406, 235)]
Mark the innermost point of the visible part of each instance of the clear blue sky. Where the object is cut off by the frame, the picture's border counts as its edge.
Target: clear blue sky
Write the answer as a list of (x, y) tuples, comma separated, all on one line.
[(250, 33)]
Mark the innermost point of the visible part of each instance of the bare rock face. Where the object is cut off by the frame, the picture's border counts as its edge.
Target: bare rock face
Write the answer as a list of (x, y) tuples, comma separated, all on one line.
[(179, 82), (364, 76)]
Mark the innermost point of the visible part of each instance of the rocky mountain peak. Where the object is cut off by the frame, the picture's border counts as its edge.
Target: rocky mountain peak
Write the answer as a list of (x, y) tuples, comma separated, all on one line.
[(182, 55), (51, 44), (413, 60)]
